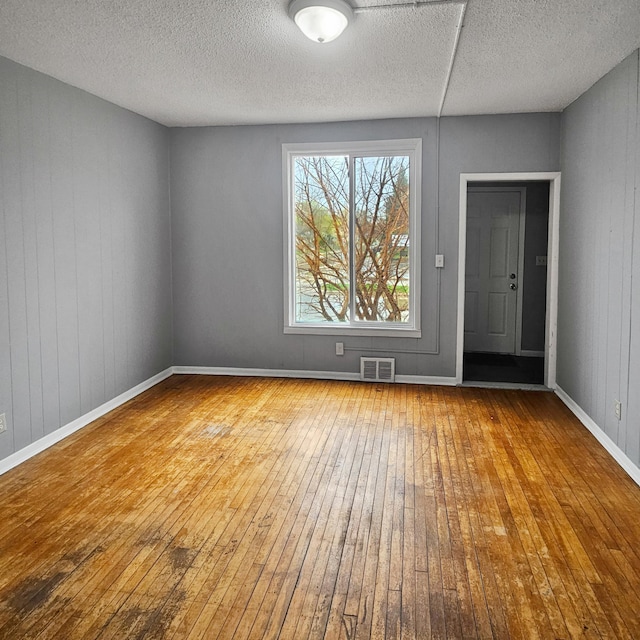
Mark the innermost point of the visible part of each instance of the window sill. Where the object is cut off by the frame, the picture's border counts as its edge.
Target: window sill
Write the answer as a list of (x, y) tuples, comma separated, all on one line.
[(354, 331)]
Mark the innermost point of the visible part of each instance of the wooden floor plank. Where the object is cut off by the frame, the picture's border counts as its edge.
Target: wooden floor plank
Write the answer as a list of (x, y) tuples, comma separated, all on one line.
[(339, 623), (372, 588), (221, 507), (355, 588), (536, 472), (470, 462), (283, 563)]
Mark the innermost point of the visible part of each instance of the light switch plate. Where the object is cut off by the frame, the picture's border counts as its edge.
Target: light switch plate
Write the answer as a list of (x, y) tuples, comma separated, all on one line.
[(3, 422), (439, 260)]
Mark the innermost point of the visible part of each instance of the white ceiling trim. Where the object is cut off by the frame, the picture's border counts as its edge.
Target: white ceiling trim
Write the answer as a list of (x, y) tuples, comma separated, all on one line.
[(463, 11)]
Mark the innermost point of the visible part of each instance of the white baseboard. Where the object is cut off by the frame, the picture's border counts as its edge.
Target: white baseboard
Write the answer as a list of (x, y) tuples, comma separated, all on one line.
[(59, 434), (441, 381), (266, 373), (519, 386), (300, 373), (618, 454)]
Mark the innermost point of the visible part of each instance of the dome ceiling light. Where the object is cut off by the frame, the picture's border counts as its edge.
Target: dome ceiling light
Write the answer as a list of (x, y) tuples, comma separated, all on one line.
[(324, 20), (321, 20)]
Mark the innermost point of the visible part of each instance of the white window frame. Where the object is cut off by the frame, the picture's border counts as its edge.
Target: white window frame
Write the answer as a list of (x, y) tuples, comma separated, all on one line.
[(411, 147)]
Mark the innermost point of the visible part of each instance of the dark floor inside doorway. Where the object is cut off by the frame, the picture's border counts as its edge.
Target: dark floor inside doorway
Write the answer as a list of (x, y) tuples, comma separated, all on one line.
[(496, 367)]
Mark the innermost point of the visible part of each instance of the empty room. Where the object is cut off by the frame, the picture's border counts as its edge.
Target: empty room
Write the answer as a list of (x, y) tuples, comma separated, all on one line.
[(319, 319)]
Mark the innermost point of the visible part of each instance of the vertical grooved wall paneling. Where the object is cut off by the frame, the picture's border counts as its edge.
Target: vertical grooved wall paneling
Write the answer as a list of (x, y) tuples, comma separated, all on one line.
[(599, 312), (85, 269), (632, 442)]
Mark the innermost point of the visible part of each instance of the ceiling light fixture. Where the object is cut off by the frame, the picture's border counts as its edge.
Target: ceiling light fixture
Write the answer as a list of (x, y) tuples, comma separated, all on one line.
[(321, 20)]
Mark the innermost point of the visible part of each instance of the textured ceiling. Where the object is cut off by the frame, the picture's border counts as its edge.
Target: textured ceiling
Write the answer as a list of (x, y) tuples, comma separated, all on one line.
[(196, 62)]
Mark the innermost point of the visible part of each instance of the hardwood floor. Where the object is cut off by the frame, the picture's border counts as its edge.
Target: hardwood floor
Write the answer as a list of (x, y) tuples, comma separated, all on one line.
[(261, 508)]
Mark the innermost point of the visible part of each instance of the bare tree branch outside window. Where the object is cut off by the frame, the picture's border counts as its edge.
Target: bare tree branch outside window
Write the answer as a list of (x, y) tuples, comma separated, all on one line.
[(381, 239)]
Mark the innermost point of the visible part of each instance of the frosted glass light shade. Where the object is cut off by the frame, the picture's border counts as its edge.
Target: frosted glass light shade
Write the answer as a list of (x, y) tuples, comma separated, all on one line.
[(321, 20)]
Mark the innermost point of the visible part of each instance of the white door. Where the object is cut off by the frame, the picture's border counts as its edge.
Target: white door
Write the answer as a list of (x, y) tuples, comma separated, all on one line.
[(491, 278)]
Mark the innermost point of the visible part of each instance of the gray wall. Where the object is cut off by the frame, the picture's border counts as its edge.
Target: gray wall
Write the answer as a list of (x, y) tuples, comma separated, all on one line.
[(85, 272), (227, 222), (599, 286)]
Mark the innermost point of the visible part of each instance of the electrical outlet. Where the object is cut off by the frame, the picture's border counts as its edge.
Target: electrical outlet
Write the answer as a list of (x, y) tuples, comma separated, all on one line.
[(339, 348), (617, 407), (3, 422)]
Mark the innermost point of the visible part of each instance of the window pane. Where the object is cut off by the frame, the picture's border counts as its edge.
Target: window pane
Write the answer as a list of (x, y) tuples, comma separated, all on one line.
[(321, 192), (382, 239)]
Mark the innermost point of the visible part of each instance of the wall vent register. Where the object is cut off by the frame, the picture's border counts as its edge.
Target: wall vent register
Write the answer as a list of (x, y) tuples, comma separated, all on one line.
[(378, 369)]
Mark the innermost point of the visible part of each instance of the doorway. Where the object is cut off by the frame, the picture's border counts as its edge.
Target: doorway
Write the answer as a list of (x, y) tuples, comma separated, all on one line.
[(499, 237), (507, 279)]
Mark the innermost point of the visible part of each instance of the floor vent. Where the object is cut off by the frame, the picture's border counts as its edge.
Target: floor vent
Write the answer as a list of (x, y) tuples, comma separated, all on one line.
[(378, 369)]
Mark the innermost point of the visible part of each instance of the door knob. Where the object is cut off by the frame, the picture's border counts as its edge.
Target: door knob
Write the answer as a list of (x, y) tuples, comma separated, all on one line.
[(513, 286)]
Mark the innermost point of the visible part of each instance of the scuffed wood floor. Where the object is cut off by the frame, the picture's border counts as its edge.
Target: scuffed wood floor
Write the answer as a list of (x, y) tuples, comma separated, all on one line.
[(253, 508)]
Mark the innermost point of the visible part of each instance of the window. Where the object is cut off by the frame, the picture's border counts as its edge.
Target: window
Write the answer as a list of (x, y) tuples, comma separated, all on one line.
[(353, 238)]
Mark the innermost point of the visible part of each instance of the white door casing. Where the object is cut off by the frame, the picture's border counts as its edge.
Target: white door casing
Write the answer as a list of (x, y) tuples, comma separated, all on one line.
[(495, 231), (551, 323)]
